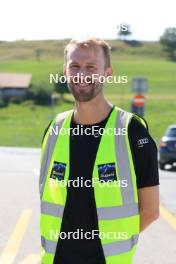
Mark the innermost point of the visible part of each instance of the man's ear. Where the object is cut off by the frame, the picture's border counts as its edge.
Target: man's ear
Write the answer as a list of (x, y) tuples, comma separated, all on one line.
[(64, 69), (108, 72)]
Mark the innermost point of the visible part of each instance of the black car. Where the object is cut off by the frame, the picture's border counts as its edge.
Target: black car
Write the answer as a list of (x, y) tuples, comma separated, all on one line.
[(167, 151)]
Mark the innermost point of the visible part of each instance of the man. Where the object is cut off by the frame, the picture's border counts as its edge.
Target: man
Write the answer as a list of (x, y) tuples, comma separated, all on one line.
[(128, 156)]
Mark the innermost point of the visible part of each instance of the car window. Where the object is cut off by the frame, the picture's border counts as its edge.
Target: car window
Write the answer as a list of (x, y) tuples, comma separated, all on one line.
[(171, 132)]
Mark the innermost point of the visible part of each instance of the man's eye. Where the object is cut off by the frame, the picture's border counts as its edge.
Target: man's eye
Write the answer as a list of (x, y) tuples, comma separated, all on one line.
[(90, 67), (74, 66)]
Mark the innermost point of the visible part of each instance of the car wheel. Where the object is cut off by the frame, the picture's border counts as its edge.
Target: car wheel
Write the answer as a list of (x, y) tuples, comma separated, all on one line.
[(161, 166)]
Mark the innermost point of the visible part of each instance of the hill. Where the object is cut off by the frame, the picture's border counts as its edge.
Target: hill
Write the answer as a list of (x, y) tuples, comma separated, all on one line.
[(53, 49)]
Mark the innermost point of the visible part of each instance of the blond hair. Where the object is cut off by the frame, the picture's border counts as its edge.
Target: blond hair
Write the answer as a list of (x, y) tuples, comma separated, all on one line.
[(90, 42)]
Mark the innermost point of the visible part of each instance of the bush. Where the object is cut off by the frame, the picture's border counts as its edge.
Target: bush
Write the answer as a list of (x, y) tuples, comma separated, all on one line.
[(61, 88), (3, 102), (40, 93), (133, 43)]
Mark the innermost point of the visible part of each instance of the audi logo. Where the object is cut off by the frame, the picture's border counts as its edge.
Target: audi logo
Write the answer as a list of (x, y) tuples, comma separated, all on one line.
[(143, 141)]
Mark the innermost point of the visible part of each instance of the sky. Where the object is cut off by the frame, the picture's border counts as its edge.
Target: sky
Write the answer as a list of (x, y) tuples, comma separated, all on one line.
[(56, 19)]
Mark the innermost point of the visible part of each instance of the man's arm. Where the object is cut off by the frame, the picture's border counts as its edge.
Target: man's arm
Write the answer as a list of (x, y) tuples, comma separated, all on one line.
[(148, 205), (144, 153)]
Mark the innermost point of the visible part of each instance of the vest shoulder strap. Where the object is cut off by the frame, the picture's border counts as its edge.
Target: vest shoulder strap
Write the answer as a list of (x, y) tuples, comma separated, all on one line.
[(59, 118), (126, 116), (142, 121)]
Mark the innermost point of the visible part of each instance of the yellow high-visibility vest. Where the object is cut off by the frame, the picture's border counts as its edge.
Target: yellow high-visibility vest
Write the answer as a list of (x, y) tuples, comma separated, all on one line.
[(117, 205)]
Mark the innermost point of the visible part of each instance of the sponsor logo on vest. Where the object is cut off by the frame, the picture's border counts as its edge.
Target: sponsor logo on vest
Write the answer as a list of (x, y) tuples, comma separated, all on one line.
[(58, 170), (107, 172), (142, 142)]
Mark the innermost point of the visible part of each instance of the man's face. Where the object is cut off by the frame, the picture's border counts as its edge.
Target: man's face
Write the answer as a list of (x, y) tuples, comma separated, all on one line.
[(86, 62)]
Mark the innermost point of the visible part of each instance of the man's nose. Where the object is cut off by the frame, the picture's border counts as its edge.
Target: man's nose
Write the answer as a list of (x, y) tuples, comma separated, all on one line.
[(83, 74)]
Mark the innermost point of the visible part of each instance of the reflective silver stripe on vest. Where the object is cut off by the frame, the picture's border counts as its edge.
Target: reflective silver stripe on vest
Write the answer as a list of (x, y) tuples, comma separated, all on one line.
[(50, 144), (107, 213), (52, 209), (119, 247), (122, 159), (104, 213), (48, 245)]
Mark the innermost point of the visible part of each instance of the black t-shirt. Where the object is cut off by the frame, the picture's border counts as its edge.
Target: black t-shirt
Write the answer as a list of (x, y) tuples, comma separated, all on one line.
[(80, 210)]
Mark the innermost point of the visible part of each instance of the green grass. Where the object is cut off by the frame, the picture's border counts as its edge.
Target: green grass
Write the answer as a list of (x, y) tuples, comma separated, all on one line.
[(161, 74), (23, 125), (40, 69)]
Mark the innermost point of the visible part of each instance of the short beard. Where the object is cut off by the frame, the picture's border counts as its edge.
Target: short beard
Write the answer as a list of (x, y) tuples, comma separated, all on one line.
[(83, 96)]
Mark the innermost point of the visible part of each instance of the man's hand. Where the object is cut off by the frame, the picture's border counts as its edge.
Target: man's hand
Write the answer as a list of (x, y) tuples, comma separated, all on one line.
[(148, 205)]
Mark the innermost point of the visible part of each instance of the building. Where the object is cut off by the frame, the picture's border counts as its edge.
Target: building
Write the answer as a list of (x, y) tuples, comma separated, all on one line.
[(14, 85)]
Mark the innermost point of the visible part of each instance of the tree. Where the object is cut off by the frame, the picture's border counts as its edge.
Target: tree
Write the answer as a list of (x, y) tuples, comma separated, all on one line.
[(168, 41), (124, 31)]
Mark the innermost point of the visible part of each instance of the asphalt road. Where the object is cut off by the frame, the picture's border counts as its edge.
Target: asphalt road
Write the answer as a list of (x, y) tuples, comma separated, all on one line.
[(19, 215)]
